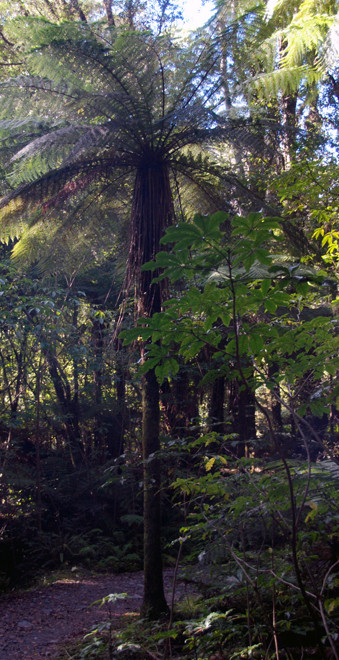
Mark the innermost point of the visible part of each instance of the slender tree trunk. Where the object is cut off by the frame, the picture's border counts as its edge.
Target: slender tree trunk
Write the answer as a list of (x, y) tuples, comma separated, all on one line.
[(130, 13), (49, 5), (152, 209), (97, 341), (154, 603), (109, 13), (179, 402), (75, 397), (121, 395), (275, 400), (63, 393), (216, 421), (78, 11), (38, 445), (242, 409), (288, 106)]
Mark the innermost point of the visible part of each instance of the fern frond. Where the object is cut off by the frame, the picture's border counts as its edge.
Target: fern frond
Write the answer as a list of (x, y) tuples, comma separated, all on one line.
[(68, 245), (12, 220), (328, 58), (50, 141), (280, 8), (50, 151), (301, 45), (331, 467), (284, 80), (128, 137), (303, 37)]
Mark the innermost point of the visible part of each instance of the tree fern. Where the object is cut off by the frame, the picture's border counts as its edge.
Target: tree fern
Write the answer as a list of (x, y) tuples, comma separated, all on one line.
[(125, 129), (305, 44), (112, 110)]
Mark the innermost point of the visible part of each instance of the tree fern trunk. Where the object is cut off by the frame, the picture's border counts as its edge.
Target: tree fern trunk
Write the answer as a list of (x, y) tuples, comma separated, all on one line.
[(151, 211), (154, 603)]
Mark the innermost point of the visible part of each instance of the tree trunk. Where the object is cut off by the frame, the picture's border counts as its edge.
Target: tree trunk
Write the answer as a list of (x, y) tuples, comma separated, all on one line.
[(288, 106), (242, 409), (78, 11), (109, 13), (97, 340), (273, 369), (152, 210), (38, 445), (68, 406), (216, 421), (154, 603), (121, 395)]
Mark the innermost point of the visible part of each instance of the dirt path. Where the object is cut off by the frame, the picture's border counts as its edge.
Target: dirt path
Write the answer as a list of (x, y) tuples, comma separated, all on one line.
[(34, 624)]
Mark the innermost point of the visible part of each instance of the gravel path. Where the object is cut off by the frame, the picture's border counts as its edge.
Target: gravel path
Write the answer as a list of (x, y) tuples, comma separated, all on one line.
[(34, 624)]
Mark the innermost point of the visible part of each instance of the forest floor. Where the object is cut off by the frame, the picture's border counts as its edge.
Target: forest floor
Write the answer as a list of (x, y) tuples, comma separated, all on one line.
[(37, 624)]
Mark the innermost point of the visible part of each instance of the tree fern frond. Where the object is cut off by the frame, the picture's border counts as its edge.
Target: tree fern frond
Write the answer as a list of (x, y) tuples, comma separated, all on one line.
[(282, 266), (284, 80), (300, 46), (50, 151), (65, 246), (60, 184), (330, 466), (32, 243), (131, 129), (256, 272), (29, 125), (329, 56), (302, 37), (52, 140), (285, 7), (34, 84), (12, 221), (198, 188)]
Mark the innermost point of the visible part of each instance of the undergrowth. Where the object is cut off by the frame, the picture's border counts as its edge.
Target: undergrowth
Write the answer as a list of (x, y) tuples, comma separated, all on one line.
[(264, 568)]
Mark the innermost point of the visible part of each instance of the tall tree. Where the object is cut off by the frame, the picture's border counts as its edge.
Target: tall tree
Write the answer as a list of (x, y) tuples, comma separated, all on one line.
[(123, 116)]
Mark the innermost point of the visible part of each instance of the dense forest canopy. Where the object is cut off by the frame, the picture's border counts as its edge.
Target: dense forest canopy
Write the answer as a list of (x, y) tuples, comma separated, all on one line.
[(168, 294)]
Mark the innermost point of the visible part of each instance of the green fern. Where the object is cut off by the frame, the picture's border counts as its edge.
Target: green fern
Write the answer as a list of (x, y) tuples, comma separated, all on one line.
[(300, 46), (123, 108)]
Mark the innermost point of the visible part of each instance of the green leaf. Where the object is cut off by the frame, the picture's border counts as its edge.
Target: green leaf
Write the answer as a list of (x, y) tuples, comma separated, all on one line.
[(256, 343), (149, 364), (270, 306), (169, 367), (331, 604), (135, 334), (225, 318), (209, 464), (265, 286)]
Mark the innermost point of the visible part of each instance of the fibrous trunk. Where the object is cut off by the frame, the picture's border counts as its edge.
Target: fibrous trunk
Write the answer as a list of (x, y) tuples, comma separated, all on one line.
[(151, 212)]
